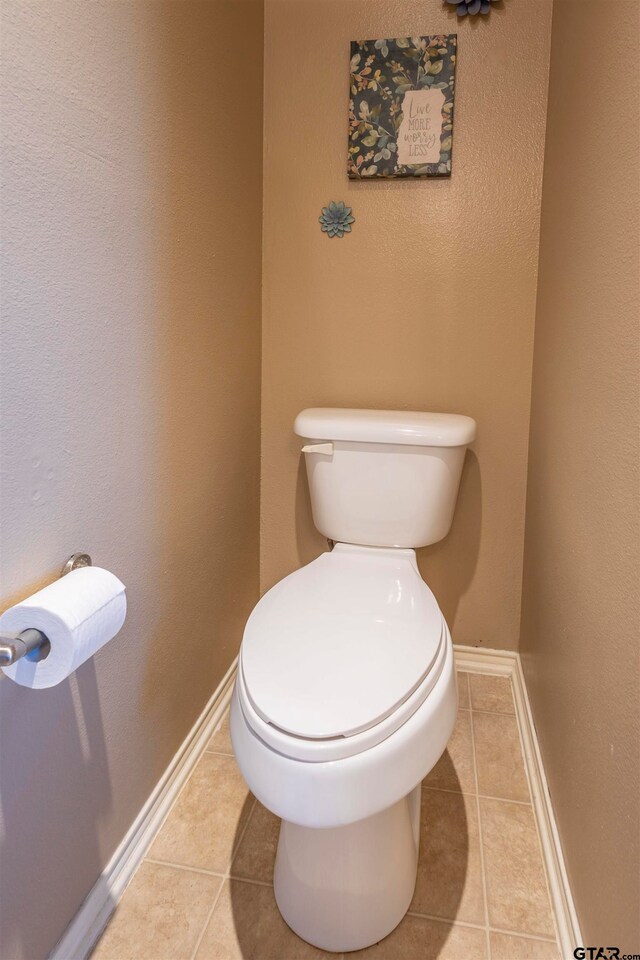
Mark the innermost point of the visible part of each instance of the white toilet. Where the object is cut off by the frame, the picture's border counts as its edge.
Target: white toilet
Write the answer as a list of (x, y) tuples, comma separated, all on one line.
[(346, 695)]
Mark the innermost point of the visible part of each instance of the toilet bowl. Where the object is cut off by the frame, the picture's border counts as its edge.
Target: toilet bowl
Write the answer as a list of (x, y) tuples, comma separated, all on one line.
[(345, 695)]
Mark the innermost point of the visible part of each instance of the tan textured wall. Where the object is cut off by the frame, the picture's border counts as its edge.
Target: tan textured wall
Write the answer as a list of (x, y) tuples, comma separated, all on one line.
[(131, 381), (580, 616), (429, 304)]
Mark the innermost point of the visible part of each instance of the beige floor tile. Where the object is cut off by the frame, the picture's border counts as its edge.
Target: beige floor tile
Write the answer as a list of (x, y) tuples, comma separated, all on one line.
[(416, 938), (499, 760), (160, 916), (220, 742), (246, 923), (516, 883), (491, 693), (506, 947), (202, 829), (449, 882), (463, 690), (257, 851), (454, 770)]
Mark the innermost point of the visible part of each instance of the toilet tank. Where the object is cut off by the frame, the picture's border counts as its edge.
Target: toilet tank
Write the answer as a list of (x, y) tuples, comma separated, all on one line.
[(383, 478)]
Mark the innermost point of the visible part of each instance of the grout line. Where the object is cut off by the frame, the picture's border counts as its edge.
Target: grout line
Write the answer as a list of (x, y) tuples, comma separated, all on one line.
[(257, 883), (225, 878), (458, 793), (483, 871), (480, 926), (206, 922), (458, 923), (527, 936), (494, 713), (459, 676), (481, 796), (184, 866), (217, 753), (240, 838), (522, 803)]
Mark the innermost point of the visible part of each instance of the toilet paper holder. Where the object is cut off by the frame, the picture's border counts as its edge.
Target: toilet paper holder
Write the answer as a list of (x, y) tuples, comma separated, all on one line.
[(34, 644)]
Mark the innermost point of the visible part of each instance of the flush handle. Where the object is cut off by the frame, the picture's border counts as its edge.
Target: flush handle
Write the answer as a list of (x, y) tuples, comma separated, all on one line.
[(326, 448)]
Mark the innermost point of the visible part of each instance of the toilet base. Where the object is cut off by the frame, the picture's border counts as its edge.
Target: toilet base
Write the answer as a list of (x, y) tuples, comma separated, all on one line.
[(345, 888)]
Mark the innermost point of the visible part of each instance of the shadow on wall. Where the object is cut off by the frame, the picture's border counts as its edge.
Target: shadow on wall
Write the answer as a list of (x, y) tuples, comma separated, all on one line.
[(138, 243), (206, 320), (448, 566), (257, 935), (306, 533), (68, 749)]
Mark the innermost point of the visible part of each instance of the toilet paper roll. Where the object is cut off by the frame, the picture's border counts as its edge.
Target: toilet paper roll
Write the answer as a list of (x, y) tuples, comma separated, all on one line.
[(79, 613)]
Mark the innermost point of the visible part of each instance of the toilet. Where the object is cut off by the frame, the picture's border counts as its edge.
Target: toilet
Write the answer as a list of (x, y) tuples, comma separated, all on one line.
[(345, 695)]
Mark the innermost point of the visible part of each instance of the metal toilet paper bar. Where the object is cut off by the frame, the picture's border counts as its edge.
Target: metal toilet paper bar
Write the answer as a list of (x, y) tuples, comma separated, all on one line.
[(34, 644)]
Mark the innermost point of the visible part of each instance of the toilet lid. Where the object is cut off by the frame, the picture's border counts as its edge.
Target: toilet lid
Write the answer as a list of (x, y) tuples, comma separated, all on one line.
[(338, 645)]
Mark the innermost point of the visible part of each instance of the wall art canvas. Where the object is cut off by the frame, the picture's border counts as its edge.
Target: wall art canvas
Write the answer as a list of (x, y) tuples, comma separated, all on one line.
[(401, 107)]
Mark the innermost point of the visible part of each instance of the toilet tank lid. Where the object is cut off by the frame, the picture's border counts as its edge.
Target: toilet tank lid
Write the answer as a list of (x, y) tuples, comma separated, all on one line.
[(386, 426)]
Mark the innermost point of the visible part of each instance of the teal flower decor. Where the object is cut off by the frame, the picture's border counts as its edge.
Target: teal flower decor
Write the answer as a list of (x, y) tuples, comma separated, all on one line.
[(471, 7), (335, 220)]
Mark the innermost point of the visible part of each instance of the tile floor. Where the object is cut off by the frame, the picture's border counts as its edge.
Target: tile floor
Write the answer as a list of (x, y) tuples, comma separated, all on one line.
[(204, 889)]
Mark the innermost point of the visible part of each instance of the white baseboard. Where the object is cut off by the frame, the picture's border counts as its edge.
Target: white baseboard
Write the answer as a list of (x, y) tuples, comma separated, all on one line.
[(85, 928), (87, 925), (507, 663), (485, 660)]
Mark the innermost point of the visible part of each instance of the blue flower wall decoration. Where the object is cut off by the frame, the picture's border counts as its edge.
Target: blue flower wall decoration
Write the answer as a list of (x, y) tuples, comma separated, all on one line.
[(335, 220), (471, 7)]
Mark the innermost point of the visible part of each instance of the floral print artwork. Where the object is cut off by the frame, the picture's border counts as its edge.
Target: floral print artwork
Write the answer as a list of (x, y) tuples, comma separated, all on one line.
[(401, 107)]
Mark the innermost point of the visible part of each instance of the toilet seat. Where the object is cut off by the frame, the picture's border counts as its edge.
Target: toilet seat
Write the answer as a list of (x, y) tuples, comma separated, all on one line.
[(338, 748), (347, 789), (340, 654)]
